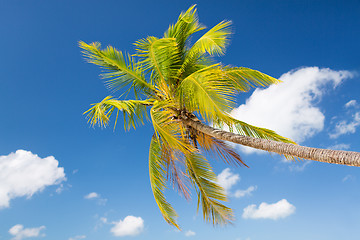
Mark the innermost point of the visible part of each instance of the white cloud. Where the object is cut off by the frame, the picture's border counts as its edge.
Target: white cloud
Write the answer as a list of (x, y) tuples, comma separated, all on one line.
[(340, 146), (289, 107), (78, 237), (92, 195), (345, 127), (243, 193), (19, 232), (190, 233), (351, 103), (130, 226), (23, 174), (227, 179), (281, 209)]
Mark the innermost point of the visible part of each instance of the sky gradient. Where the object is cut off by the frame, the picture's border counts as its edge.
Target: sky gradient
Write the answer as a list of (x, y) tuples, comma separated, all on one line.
[(60, 179)]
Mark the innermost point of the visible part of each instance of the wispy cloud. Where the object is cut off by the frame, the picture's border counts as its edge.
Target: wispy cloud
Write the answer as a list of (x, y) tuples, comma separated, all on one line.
[(340, 146), (348, 178), (281, 209), (23, 174), (97, 197), (19, 232), (130, 226), (351, 103), (243, 193), (227, 180), (190, 233), (346, 127), (78, 237), (290, 108)]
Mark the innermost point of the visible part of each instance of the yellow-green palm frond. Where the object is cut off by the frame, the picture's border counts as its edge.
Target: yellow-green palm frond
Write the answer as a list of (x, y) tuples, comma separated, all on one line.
[(157, 172), (208, 191), (168, 129), (256, 132), (205, 92), (214, 41), (244, 78), (187, 24), (121, 70), (161, 57), (219, 148), (134, 111)]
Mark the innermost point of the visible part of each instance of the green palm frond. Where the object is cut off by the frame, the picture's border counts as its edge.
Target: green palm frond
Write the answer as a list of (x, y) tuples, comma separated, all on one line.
[(161, 57), (209, 192), (157, 172), (205, 92), (134, 111), (219, 149), (214, 41), (245, 78), (121, 71), (187, 24)]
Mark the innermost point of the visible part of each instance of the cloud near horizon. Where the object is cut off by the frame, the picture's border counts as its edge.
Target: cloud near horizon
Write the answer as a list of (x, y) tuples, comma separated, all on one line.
[(289, 108), (23, 174)]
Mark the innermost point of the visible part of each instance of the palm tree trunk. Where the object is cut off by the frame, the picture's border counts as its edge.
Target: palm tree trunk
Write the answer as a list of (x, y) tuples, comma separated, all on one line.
[(316, 154)]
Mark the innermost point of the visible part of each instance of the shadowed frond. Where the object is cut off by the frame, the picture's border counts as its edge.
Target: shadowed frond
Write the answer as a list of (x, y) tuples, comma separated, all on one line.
[(219, 148), (134, 111), (157, 172), (205, 92), (121, 71), (209, 192), (245, 78)]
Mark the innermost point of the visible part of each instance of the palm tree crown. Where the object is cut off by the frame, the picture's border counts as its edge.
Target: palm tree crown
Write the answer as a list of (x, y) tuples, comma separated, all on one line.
[(174, 82)]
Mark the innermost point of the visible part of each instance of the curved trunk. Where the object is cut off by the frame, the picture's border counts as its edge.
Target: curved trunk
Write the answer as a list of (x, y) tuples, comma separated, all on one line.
[(316, 154)]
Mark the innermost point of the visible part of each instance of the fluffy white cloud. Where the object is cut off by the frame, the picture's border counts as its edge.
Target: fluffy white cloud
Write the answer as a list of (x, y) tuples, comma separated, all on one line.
[(243, 193), (92, 195), (288, 107), (351, 103), (130, 226), (345, 127), (23, 174), (281, 209), (19, 232), (78, 237), (227, 179), (190, 233)]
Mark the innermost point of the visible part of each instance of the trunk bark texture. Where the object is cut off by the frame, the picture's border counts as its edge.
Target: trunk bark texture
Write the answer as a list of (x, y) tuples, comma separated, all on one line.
[(316, 154)]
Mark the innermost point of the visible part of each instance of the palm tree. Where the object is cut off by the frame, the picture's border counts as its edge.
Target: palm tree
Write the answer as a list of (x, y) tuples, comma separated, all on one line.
[(182, 91)]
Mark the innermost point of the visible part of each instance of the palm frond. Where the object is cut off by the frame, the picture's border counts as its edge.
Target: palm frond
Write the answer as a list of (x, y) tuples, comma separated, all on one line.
[(219, 148), (214, 41), (187, 24), (121, 70), (169, 130), (205, 92), (245, 78), (209, 192), (157, 172), (161, 57), (134, 111)]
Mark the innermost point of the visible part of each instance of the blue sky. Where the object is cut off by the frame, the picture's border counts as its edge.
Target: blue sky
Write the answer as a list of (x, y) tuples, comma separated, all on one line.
[(63, 180)]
